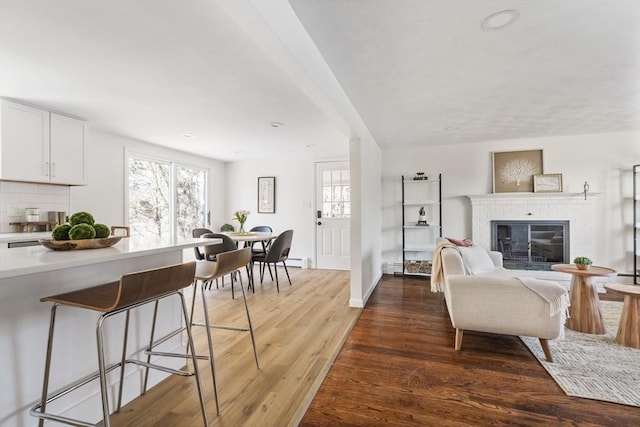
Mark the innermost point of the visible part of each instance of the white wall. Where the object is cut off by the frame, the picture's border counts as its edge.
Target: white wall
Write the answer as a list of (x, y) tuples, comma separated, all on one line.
[(294, 198), (366, 219), (104, 196), (604, 160)]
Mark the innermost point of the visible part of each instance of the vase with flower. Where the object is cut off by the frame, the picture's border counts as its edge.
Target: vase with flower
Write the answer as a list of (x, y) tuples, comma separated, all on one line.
[(241, 217)]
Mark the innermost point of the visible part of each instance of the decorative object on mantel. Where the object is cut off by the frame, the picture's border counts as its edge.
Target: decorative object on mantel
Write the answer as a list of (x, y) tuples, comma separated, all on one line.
[(547, 183), (582, 262), (586, 189), (422, 217), (513, 171), (420, 176)]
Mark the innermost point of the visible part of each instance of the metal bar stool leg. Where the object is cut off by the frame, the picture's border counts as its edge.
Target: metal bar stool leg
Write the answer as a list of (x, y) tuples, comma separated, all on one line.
[(153, 331), (102, 372), (194, 360), (253, 339), (210, 343), (47, 364), (123, 358)]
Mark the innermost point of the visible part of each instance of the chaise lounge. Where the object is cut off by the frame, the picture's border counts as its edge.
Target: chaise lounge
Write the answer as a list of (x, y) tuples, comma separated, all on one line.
[(482, 296)]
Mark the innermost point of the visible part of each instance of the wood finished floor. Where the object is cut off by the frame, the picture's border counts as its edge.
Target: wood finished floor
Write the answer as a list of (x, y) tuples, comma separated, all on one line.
[(298, 332), (398, 368)]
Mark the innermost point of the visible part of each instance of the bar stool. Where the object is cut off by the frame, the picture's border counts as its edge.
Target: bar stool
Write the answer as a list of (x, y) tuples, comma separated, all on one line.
[(132, 291), (206, 271)]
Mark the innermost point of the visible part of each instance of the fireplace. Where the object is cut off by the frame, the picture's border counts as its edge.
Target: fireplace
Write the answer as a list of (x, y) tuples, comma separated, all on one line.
[(531, 244)]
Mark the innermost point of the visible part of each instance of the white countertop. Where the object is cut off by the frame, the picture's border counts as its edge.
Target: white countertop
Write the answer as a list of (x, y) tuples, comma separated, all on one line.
[(38, 259)]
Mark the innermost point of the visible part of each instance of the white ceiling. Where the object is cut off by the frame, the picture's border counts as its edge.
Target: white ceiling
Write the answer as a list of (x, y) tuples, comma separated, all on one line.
[(415, 72)]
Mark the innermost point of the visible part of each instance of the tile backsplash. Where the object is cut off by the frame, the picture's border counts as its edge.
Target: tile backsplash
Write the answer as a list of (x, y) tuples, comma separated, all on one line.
[(15, 197)]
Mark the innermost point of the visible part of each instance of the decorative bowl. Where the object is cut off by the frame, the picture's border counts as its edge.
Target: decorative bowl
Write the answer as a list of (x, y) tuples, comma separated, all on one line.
[(70, 245)]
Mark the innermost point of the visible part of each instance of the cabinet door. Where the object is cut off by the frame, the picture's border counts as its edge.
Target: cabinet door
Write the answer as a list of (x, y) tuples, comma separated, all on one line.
[(67, 150), (24, 143)]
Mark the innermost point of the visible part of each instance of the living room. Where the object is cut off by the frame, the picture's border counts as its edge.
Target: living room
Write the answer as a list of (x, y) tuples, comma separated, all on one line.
[(423, 89)]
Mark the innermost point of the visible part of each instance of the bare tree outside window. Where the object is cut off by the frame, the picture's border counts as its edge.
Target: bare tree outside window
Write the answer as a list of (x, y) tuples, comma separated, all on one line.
[(191, 209), (151, 203)]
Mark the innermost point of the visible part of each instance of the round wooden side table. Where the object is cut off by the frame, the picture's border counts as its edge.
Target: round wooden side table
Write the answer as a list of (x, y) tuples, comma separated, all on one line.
[(584, 312), (629, 328)]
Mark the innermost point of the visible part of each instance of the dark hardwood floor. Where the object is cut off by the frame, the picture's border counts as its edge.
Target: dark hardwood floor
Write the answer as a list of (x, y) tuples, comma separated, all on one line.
[(398, 368)]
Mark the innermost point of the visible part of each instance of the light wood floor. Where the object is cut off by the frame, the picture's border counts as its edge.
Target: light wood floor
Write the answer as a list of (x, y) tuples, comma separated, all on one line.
[(299, 332)]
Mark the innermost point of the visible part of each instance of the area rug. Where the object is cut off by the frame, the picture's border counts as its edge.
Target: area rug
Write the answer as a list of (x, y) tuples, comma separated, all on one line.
[(594, 366)]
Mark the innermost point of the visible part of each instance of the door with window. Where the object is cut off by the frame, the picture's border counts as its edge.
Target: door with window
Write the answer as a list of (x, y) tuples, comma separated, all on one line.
[(333, 205), (165, 199)]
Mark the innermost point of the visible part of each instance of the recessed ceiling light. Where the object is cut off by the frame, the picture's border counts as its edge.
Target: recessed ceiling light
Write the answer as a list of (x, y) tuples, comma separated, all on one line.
[(310, 145), (499, 20), (452, 127), (187, 135), (276, 124), (238, 152)]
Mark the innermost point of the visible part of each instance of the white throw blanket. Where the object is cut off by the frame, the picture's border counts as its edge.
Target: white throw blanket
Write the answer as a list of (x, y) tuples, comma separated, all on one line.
[(557, 297)]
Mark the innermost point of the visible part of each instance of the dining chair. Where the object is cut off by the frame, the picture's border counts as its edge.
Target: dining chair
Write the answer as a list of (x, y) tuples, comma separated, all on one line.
[(198, 232), (263, 245), (278, 252), (212, 251)]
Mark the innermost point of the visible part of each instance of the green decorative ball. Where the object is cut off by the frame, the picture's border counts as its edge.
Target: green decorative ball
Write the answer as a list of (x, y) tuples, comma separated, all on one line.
[(82, 231), (102, 231), (81, 217), (61, 232)]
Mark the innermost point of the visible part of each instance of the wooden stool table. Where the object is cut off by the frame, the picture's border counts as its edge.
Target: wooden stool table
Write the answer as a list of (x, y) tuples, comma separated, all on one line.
[(629, 328), (584, 312)]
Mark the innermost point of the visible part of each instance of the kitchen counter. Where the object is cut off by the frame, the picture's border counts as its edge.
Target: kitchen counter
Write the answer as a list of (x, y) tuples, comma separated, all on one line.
[(38, 259), (28, 274)]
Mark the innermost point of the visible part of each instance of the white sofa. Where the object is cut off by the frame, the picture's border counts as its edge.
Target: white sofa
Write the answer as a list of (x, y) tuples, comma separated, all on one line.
[(495, 301)]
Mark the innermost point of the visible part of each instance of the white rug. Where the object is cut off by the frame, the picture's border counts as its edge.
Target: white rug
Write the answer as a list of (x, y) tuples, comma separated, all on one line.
[(594, 366)]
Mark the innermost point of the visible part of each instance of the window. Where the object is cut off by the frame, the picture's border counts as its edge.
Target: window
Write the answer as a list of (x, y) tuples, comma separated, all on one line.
[(336, 194), (158, 188)]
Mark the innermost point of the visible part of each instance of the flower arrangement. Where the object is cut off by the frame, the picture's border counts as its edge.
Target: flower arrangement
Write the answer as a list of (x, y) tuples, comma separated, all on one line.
[(241, 217)]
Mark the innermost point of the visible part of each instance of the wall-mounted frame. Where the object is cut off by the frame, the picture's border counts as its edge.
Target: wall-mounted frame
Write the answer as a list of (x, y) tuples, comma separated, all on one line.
[(267, 194), (547, 183), (513, 171)]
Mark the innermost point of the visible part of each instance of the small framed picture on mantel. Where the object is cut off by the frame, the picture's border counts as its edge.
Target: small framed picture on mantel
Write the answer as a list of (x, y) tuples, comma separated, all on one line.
[(547, 183)]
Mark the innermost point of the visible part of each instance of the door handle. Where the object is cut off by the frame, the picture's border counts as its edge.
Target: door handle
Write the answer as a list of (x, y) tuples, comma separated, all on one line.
[(319, 222)]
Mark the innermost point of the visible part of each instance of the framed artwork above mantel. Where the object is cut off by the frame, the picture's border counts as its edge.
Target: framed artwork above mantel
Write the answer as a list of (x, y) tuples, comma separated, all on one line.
[(513, 171)]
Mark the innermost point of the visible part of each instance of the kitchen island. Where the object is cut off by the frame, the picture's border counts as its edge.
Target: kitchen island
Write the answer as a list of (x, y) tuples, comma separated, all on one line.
[(30, 273)]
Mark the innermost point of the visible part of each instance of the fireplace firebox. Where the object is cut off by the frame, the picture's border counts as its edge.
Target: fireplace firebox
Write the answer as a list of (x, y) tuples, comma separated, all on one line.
[(531, 245)]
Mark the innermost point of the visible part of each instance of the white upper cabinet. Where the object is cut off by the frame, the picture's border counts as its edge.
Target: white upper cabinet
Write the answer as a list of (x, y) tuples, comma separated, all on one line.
[(39, 146), (67, 152)]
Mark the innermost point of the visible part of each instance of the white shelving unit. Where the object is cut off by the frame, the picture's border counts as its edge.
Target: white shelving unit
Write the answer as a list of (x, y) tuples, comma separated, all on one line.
[(418, 241)]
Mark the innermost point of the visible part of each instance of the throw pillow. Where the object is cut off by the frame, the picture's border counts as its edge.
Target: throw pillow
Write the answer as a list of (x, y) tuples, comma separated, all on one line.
[(476, 260), (464, 243)]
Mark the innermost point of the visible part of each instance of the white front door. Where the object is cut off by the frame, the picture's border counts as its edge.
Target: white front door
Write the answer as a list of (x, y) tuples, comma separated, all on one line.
[(333, 208)]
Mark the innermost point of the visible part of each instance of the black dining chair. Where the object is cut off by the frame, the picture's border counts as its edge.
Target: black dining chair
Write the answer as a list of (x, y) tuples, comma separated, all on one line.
[(212, 251), (277, 252), (262, 248), (195, 233)]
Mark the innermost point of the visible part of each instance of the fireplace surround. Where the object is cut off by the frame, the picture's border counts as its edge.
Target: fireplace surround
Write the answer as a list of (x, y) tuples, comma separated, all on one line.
[(556, 207), (531, 245)]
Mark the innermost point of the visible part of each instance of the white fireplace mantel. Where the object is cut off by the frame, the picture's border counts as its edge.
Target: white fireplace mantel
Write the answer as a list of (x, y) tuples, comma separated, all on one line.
[(570, 207)]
